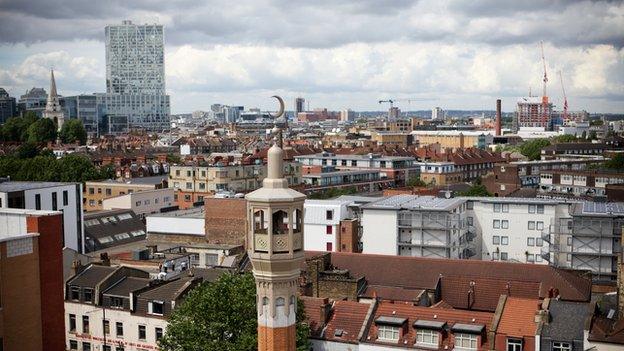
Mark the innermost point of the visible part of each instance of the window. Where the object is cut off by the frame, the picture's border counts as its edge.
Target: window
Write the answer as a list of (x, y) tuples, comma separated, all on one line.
[(329, 229), (514, 344), (86, 346), (561, 346), (106, 348), (497, 207), (531, 225), (329, 247), (388, 333), (119, 329), (116, 302), (540, 209), (142, 332), (504, 240), (109, 192), (106, 326), (495, 256), (156, 307), (505, 224), (119, 348), (75, 293), (72, 323), (65, 198), (85, 324), (496, 240), (138, 203), (91, 191), (530, 258), (329, 215), (37, 201), (159, 333), (465, 341), (54, 202), (496, 224), (539, 225), (187, 198), (427, 337), (539, 242), (531, 208), (504, 256), (538, 258), (99, 190), (469, 205), (73, 345), (189, 185), (530, 241), (469, 220), (505, 207), (87, 294)]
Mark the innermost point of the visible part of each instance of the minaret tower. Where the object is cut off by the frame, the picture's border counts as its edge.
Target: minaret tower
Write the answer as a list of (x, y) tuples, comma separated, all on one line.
[(275, 246), (53, 108)]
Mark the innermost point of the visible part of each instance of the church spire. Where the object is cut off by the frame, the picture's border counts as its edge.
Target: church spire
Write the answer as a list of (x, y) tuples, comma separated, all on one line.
[(53, 108)]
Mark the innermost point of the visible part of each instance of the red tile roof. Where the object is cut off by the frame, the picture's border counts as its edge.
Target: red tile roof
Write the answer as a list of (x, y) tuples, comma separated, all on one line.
[(413, 313), (485, 292), (393, 293), (424, 273), (348, 317), (518, 317)]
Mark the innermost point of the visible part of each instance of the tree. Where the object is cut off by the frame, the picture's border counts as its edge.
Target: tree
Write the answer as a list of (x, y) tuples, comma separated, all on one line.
[(566, 138), (616, 162), (16, 128), (27, 150), (416, 182), (592, 135), (221, 316), (73, 131), (532, 149), (42, 131), (476, 190)]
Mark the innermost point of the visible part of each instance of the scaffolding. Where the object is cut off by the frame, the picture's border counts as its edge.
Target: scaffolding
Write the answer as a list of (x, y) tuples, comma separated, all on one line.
[(434, 234)]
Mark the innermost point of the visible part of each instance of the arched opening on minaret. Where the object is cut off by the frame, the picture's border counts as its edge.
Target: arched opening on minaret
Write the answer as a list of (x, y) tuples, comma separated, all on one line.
[(280, 222), (260, 223), (297, 221)]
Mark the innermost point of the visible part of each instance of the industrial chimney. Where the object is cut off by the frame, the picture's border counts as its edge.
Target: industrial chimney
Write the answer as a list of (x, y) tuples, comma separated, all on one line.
[(499, 122)]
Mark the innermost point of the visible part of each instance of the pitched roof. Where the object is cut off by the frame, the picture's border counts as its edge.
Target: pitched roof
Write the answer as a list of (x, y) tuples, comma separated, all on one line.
[(486, 292), (424, 273), (567, 320), (418, 313), (518, 317), (346, 321), (91, 275), (393, 293), (127, 285)]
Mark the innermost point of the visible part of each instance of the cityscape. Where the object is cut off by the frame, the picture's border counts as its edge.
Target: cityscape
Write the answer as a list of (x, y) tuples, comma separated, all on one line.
[(312, 176)]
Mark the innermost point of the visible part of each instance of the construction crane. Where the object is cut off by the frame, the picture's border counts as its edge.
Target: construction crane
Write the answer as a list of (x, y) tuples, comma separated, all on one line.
[(544, 96), (392, 101), (565, 98)]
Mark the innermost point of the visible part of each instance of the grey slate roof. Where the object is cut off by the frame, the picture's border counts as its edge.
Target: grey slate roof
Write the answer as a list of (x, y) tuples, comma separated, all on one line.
[(127, 285), (11, 186), (92, 275), (567, 320)]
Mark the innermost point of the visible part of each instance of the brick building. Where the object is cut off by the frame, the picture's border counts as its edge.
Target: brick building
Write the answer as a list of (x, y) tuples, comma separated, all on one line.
[(31, 280)]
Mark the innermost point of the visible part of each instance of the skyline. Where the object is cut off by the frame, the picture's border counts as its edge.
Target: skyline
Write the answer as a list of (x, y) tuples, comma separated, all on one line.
[(244, 53)]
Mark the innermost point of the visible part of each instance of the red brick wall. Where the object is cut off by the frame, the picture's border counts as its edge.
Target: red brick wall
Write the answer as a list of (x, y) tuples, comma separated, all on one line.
[(274, 339), (226, 221), (348, 233), (50, 229)]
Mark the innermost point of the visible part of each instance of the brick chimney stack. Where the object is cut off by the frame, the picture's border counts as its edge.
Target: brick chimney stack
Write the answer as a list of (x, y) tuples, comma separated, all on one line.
[(499, 122)]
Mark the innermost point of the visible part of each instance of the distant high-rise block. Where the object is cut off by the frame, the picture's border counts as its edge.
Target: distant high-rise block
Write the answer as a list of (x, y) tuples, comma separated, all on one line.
[(299, 105), (135, 75), (7, 106), (437, 113)]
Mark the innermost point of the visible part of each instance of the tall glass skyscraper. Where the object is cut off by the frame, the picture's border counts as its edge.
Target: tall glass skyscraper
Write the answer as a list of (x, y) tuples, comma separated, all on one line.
[(135, 75)]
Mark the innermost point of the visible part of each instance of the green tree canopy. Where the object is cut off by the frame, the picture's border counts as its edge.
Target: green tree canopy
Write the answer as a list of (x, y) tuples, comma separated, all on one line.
[(566, 138), (16, 128), (221, 316), (73, 131), (416, 182), (476, 190), (532, 149), (615, 162), (42, 131)]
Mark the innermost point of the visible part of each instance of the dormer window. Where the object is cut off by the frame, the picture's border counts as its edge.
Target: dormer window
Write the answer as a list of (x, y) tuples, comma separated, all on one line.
[(467, 335), (428, 332), (156, 307), (87, 294), (74, 293), (389, 328)]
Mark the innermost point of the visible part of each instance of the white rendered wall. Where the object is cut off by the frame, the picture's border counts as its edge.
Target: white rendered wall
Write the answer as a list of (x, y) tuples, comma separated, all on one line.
[(380, 232), (175, 225), (151, 201), (130, 338), (72, 212), (315, 224)]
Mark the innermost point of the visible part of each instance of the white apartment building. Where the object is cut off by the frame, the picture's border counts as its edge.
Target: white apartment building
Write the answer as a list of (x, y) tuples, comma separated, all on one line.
[(51, 196), (142, 203), (191, 223), (322, 223), (512, 229), (420, 226)]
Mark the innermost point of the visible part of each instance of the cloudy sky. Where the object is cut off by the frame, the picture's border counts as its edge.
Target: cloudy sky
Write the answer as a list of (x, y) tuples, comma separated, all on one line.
[(336, 54)]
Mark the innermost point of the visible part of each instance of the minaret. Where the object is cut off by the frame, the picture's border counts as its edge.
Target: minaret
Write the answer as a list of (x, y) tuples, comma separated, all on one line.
[(53, 108), (275, 246)]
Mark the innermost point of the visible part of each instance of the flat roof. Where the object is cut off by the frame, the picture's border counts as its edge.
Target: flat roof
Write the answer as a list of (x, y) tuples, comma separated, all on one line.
[(338, 173), (11, 186), (412, 202), (452, 132), (356, 157), (132, 181), (589, 208), (195, 212)]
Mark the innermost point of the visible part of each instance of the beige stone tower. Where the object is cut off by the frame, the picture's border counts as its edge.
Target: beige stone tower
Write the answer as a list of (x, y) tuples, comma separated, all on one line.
[(275, 245)]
